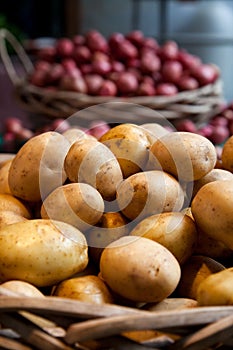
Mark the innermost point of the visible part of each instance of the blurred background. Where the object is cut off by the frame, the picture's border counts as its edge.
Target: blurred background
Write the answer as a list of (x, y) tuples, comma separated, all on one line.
[(203, 27)]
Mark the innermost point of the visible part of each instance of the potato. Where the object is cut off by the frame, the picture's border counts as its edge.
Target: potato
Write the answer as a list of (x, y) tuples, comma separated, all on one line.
[(5, 157), (41, 252), (149, 192), (4, 171), (174, 230), (213, 175), (22, 288), (78, 204), (227, 154), (10, 203), (155, 131), (212, 248), (91, 162), (111, 226), (139, 269), (38, 167), (185, 155), (75, 134), (130, 144), (217, 289), (212, 209), (193, 272), (171, 304), (89, 288), (8, 217)]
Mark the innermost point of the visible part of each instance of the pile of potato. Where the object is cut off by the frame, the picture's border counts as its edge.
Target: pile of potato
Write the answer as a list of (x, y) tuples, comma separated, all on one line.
[(141, 216)]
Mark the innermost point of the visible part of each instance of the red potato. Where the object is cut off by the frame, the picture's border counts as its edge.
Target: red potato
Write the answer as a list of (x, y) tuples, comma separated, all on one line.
[(151, 44), (69, 64), (94, 82), (96, 41), (82, 54), (55, 73), (206, 130), (188, 60), (13, 125), (73, 83), (166, 89), (187, 83), (169, 50), (38, 78), (150, 63), (47, 54), (101, 67), (108, 88), (115, 40), (64, 47), (127, 83), (117, 66), (86, 68), (219, 134), (186, 125), (172, 71), (205, 73), (78, 40), (136, 37), (126, 50), (146, 89)]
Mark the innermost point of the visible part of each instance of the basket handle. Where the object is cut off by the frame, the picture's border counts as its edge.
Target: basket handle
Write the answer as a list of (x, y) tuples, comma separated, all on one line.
[(5, 36)]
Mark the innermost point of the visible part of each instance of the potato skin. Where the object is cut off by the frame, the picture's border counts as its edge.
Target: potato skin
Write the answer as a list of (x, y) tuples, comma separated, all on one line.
[(193, 272), (130, 143), (149, 192), (8, 202), (77, 204), (89, 288), (227, 155), (8, 217), (215, 200), (185, 155), (41, 252), (139, 269), (37, 168), (174, 230), (217, 289), (21, 288), (92, 162), (4, 171)]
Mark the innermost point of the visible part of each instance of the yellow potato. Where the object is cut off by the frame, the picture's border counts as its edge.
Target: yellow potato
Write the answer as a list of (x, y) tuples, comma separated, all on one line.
[(22, 288), (212, 209), (212, 248), (213, 175), (111, 226), (4, 171), (185, 155), (8, 217), (171, 304), (139, 269), (89, 288), (193, 272), (91, 162), (10, 203), (227, 155), (217, 289), (75, 134), (38, 167), (155, 131), (41, 252), (130, 144), (78, 204), (149, 192), (174, 230)]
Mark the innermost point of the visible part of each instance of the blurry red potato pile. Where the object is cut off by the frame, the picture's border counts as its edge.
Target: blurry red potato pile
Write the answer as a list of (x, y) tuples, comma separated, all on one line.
[(120, 65)]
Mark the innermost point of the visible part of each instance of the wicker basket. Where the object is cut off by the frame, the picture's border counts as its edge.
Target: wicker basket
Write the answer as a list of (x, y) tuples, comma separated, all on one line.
[(198, 105), (61, 323)]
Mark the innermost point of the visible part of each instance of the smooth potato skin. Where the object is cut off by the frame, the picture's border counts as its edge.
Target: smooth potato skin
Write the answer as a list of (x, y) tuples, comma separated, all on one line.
[(4, 171), (89, 288), (185, 155), (193, 272), (139, 269), (149, 192), (78, 204), (174, 230), (21, 288), (227, 155), (37, 168), (130, 144), (8, 217), (8, 202), (39, 252), (215, 200), (217, 289)]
